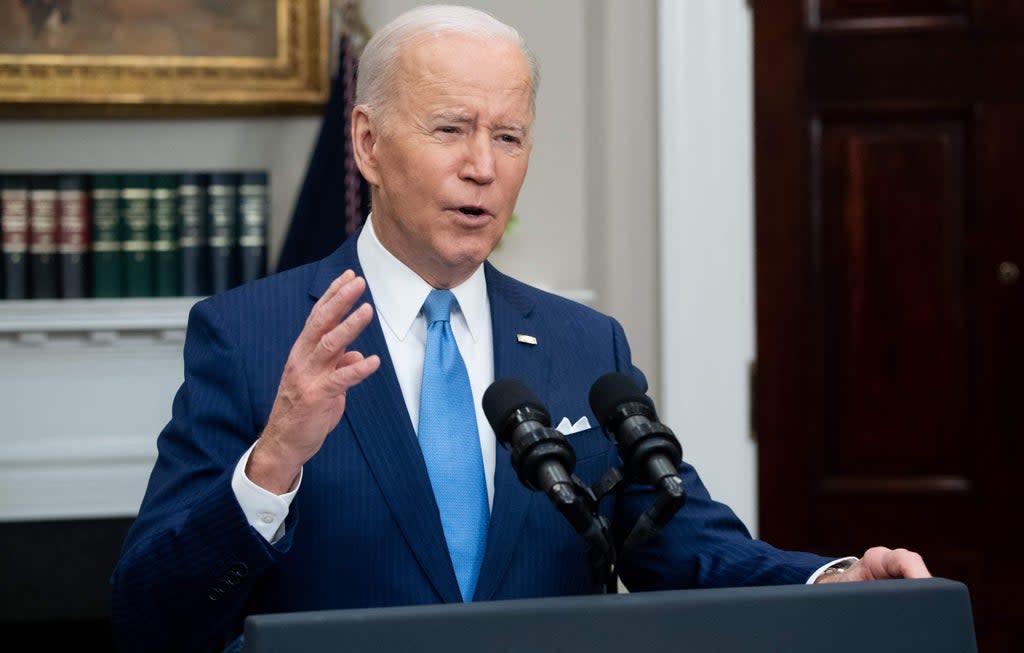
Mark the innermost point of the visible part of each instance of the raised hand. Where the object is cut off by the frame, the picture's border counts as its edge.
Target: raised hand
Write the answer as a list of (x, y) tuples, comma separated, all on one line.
[(311, 395)]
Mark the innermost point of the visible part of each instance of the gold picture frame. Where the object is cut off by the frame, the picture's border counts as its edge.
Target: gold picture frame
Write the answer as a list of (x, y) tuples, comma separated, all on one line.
[(204, 58)]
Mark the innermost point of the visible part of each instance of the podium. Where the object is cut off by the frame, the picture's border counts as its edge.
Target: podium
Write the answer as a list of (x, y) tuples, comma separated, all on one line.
[(886, 616)]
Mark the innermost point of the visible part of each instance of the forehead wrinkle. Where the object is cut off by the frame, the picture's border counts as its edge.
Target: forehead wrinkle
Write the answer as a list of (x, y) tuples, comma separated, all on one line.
[(449, 115)]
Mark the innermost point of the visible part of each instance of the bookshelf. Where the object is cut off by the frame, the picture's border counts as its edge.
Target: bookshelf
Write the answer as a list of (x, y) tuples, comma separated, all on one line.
[(86, 384)]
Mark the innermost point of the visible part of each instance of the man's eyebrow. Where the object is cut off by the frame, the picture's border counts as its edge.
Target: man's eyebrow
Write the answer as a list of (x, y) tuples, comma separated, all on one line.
[(463, 118)]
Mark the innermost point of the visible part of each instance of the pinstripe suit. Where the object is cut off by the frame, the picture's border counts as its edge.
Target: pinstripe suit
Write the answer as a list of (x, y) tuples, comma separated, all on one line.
[(363, 529)]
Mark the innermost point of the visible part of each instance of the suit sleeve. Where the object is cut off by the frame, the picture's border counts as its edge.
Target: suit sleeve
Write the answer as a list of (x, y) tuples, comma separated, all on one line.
[(190, 559)]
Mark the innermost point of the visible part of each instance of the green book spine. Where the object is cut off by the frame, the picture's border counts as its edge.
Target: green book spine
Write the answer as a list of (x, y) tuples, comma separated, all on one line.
[(253, 219), (137, 211), (107, 235), (166, 243)]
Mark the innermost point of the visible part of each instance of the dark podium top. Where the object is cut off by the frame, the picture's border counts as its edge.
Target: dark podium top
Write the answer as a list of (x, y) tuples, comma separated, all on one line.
[(931, 615)]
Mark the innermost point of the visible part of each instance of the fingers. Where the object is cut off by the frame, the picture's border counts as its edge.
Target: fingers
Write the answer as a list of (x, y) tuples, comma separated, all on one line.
[(354, 369), (347, 368), (881, 562), (331, 350), (337, 300), (331, 346), (901, 563)]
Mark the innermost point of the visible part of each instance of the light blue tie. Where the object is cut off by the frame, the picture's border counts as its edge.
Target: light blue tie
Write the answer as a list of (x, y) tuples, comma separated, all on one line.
[(451, 444)]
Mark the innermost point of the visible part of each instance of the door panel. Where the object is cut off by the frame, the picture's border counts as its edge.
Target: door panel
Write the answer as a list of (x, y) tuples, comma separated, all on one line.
[(892, 235), (889, 150)]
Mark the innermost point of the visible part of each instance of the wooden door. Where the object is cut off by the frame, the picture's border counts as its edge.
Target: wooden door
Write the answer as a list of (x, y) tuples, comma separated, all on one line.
[(890, 314)]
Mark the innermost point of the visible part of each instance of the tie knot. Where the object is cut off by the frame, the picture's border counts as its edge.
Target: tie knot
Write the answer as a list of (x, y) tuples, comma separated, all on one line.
[(438, 306)]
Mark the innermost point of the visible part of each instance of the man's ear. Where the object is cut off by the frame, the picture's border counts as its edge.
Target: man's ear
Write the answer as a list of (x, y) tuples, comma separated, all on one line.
[(364, 137)]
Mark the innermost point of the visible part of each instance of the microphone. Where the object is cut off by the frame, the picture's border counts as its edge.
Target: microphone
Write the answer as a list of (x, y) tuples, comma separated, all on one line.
[(648, 448), (541, 456), (544, 461)]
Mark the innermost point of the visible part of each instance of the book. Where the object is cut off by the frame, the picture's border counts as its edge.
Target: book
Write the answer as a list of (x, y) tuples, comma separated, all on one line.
[(166, 242), (253, 220), (192, 212), (14, 201), (73, 235), (43, 275), (137, 214), (107, 234), (222, 207)]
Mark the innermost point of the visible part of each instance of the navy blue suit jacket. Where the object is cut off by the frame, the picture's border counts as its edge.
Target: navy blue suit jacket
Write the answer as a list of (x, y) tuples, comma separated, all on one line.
[(363, 529)]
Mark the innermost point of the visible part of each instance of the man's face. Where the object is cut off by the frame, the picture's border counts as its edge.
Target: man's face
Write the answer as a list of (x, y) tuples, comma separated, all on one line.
[(447, 161)]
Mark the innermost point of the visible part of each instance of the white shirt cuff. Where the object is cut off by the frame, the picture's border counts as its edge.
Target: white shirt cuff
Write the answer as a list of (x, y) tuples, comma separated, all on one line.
[(847, 561), (265, 511)]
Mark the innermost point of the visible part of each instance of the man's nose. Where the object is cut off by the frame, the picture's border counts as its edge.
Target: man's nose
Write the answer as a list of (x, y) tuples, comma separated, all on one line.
[(479, 162)]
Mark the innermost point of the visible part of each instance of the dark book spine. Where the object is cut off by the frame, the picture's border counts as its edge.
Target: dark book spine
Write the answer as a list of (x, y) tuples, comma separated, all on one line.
[(192, 212), (43, 274), (137, 212), (107, 235), (253, 219), (14, 197), (73, 235), (166, 245), (221, 212)]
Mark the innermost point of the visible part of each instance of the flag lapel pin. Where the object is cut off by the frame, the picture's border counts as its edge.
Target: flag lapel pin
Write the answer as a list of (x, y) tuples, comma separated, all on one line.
[(525, 339)]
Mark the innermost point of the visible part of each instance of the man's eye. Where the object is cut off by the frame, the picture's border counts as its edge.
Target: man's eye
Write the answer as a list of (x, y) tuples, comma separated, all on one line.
[(449, 129), (510, 139)]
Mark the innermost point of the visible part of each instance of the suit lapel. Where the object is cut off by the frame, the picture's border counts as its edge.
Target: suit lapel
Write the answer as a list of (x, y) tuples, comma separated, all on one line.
[(380, 422), (511, 314)]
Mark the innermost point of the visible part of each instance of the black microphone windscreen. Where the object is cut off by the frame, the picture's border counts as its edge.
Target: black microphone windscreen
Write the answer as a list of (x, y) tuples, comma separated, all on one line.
[(612, 390), (502, 399)]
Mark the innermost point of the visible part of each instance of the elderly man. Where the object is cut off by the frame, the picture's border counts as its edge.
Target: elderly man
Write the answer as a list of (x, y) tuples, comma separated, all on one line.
[(328, 448)]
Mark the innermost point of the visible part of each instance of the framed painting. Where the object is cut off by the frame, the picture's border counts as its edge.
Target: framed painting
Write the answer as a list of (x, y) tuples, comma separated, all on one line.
[(163, 58)]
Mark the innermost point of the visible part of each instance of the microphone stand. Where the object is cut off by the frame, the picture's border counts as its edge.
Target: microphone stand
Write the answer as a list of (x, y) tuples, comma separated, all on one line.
[(669, 499), (578, 505), (578, 502)]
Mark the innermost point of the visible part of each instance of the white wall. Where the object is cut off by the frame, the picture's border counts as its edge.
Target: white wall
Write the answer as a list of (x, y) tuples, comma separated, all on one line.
[(707, 222)]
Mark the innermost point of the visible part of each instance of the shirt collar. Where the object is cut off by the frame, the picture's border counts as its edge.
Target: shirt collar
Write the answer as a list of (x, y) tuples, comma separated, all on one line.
[(399, 293)]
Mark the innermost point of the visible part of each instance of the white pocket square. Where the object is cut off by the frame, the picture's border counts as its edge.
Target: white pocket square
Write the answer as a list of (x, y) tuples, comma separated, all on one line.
[(565, 428)]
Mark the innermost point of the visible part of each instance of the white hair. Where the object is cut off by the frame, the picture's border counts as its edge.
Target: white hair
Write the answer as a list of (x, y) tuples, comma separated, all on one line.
[(378, 62)]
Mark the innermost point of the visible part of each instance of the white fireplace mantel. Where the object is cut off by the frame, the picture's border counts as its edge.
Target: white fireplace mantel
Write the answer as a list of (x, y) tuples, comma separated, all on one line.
[(85, 387)]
